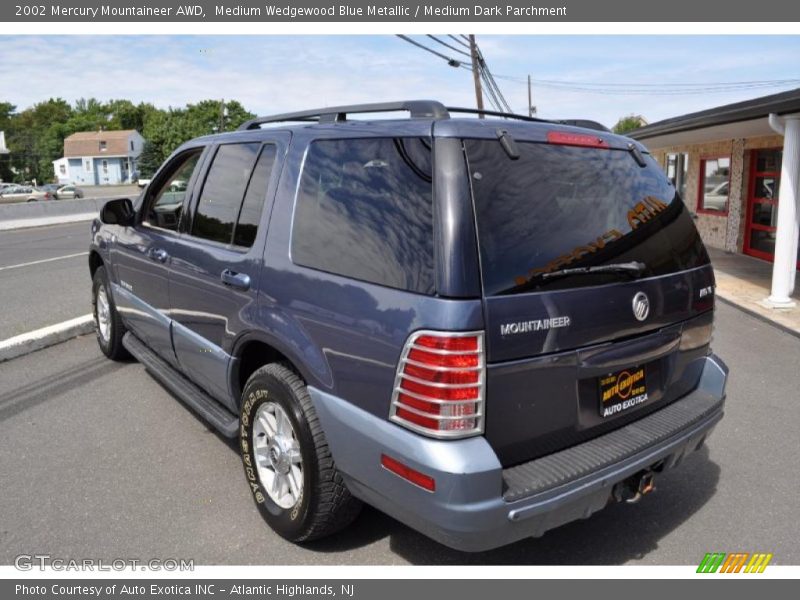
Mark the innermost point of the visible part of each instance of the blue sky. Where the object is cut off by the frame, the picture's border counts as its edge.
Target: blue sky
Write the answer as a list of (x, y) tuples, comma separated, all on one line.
[(278, 73)]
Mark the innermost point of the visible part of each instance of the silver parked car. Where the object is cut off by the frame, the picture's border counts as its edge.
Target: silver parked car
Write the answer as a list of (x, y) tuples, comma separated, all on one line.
[(68, 192), (22, 193)]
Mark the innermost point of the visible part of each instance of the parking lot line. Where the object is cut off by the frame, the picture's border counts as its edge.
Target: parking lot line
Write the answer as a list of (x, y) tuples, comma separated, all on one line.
[(44, 260)]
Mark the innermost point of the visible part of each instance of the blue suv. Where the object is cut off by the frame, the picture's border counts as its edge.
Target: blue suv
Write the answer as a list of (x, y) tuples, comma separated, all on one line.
[(484, 327)]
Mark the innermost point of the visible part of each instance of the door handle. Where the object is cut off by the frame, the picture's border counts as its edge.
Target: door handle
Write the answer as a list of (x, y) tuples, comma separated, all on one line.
[(158, 254), (239, 281)]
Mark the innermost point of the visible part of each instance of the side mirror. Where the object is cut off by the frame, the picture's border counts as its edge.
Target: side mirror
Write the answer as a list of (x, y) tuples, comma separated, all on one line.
[(118, 212)]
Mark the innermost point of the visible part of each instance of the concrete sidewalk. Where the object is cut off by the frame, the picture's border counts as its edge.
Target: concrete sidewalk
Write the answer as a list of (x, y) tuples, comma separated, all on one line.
[(745, 282)]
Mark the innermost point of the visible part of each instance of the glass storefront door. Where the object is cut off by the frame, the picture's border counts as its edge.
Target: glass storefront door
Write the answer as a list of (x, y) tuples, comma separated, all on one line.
[(762, 204)]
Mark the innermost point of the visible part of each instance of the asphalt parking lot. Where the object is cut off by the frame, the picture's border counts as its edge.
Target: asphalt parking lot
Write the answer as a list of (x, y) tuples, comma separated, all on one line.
[(99, 460), (44, 277)]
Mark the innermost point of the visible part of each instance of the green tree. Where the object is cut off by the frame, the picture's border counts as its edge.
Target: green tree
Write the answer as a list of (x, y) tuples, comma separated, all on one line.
[(36, 139), (629, 123), (36, 135), (149, 160), (6, 115)]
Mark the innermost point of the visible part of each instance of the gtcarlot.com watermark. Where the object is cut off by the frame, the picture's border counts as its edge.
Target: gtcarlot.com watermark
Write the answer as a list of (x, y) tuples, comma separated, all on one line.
[(42, 562)]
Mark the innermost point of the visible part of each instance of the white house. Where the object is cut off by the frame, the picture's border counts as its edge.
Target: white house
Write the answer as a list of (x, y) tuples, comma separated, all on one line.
[(99, 157)]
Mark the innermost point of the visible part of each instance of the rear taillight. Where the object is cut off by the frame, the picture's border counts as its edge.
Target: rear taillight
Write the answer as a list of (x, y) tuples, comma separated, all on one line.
[(440, 383)]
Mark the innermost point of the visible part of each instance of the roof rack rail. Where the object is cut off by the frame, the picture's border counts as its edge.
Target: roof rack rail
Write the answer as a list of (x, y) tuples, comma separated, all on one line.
[(418, 109), (585, 123), (494, 113)]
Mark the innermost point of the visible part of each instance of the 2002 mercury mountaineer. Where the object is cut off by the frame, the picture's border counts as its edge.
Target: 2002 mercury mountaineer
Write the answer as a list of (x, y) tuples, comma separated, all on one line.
[(484, 327)]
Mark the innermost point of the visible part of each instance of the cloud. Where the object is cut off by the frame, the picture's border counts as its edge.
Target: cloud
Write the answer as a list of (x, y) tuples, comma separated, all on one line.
[(280, 73)]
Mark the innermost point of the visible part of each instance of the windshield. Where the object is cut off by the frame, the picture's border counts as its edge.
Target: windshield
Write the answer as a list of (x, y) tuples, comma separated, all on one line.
[(560, 207)]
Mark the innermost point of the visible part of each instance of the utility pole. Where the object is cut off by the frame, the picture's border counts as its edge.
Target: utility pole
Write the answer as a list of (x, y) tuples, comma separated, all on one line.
[(531, 107), (530, 100), (222, 115), (476, 76)]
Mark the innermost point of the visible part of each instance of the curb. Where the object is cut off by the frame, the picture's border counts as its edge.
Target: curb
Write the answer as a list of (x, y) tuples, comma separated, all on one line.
[(46, 336), (759, 316), (43, 221)]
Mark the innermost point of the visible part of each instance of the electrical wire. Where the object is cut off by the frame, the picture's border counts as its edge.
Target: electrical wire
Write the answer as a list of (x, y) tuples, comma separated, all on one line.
[(653, 89), (454, 38), (453, 48), (494, 95), (434, 52), (492, 84)]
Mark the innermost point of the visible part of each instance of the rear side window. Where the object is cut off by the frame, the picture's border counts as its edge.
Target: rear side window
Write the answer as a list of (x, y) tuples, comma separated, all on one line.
[(223, 192), (365, 210), (253, 204), (560, 207)]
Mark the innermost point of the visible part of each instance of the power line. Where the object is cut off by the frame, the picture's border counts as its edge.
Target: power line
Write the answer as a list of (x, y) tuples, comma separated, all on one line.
[(451, 61), (661, 89), (462, 42), (492, 84), (682, 84), (493, 98), (453, 48), (480, 69)]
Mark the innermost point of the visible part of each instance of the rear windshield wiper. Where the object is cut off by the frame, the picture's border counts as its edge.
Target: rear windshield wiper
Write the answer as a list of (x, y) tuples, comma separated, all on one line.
[(634, 268)]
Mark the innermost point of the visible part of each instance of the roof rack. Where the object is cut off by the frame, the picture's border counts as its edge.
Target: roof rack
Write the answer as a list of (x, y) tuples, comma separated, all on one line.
[(494, 113), (585, 123), (418, 109)]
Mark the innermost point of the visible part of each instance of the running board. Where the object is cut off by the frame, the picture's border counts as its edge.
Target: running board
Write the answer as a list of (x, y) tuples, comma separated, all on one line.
[(223, 420)]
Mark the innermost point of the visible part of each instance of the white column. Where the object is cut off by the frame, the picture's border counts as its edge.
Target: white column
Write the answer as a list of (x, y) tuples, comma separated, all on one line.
[(785, 265)]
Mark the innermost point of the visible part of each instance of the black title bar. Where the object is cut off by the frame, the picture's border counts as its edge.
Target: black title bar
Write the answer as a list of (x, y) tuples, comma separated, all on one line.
[(309, 11)]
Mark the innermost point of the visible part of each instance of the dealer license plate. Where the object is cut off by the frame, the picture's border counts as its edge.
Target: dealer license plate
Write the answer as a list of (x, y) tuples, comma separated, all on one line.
[(622, 391)]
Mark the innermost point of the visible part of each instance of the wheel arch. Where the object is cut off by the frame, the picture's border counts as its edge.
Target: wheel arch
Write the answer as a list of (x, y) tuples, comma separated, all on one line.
[(255, 350), (95, 262)]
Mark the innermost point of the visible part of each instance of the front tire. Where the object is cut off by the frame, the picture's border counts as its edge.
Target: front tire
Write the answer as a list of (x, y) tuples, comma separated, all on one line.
[(108, 324), (287, 462)]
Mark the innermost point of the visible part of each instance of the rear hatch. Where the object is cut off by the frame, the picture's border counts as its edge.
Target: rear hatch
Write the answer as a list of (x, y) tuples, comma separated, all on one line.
[(574, 354)]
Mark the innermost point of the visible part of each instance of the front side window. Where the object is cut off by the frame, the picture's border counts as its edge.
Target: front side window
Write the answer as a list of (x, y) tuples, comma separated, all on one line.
[(715, 186), (165, 205), (227, 179), (364, 210)]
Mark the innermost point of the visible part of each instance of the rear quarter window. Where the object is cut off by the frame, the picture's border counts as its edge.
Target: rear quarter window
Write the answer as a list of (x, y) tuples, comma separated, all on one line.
[(365, 210)]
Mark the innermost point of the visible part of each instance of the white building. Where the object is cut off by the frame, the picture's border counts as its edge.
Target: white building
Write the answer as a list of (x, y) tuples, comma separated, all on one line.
[(737, 167), (99, 157)]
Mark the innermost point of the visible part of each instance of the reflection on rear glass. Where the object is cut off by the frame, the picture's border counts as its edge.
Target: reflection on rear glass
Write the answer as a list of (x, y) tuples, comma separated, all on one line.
[(561, 206)]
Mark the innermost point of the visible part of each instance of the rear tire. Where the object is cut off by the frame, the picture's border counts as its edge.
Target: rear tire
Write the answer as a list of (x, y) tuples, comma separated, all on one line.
[(108, 324), (287, 462)]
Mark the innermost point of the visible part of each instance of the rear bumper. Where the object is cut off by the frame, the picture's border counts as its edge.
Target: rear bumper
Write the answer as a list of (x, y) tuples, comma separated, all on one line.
[(477, 504)]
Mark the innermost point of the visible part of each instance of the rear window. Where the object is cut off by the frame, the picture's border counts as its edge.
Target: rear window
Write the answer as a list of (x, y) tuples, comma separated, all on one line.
[(560, 207), (365, 210)]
